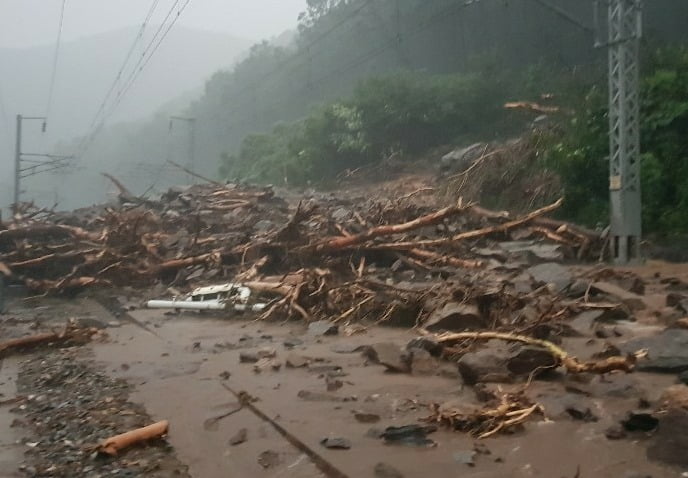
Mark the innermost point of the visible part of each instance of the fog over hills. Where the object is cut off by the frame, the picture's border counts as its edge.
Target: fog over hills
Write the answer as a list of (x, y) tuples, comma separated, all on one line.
[(86, 69)]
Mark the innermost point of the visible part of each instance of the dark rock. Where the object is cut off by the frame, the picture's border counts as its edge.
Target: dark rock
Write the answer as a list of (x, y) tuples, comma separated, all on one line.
[(389, 355), (426, 343), (323, 397), (639, 422), (465, 457), (322, 327), (333, 384), (296, 361), (456, 316), (683, 377), (336, 443), (633, 301), (422, 363), (577, 289), (578, 412), (346, 348), (292, 342), (239, 438), (499, 362), (383, 470), (615, 432), (269, 459), (366, 417), (253, 356), (551, 273), (409, 435), (667, 351), (670, 441), (584, 323), (674, 299), (488, 364), (528, 359)]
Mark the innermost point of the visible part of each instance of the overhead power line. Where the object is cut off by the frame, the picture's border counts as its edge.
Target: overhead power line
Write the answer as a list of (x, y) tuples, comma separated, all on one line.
[(150, 50), (56, 54), (122, 68)]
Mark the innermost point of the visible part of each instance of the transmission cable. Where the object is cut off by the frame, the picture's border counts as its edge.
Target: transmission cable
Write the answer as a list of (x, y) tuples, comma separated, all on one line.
[(56, 55), (119, 74), (145, 58)]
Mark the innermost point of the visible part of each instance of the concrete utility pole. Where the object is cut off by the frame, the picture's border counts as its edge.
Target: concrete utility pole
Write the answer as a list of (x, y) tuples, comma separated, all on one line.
[(624, 32), (192, 141)]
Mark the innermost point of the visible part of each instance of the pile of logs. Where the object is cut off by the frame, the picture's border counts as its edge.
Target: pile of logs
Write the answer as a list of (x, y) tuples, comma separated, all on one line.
[(342, 258)]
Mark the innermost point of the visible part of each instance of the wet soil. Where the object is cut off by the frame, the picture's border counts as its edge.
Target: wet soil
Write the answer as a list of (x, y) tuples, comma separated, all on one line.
[(155, 366)]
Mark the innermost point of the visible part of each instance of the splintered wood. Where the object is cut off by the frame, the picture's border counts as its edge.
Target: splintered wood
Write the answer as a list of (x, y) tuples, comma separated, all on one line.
[(500, 415), (326, 258)]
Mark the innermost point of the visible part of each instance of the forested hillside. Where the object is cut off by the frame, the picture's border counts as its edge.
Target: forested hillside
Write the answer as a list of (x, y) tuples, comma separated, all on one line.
[(364, 79)]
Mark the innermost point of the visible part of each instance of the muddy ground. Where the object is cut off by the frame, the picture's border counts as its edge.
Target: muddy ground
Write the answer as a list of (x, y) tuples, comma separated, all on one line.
[(151, 365)]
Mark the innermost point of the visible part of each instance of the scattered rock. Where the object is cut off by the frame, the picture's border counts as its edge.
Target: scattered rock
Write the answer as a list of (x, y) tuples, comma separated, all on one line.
[(615, 432), (409, 435), (639, 422), (322, 327), (582, 413), (297, 361), (362, 417), (389, 355), (683, 377), (670, 441), (240, 437), (422, 363), (499, 362), (269, 459), (667, 351), (323, 397), (336, 443), (292, 342), (456, 316), (633, 301), (383, 470), (486, 365), (551, 273), (465, 457), (675, 396), (253, 356), (346, 348), (429, 344), (333, 384), (526, 359)]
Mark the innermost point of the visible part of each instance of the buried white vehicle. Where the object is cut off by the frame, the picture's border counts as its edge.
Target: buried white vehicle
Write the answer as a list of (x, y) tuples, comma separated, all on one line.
[(214, 297)]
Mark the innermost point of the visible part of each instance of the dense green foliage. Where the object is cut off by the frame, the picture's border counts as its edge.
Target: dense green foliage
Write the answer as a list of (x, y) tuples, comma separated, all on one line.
[(580, 155)]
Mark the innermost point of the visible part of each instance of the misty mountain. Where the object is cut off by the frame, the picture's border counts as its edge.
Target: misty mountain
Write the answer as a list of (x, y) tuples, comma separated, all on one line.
[(88, 66)]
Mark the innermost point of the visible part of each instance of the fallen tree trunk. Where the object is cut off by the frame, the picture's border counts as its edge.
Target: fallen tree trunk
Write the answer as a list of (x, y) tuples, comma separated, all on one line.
[(11, 346), (485, 231), (349, 241), (115, 444)]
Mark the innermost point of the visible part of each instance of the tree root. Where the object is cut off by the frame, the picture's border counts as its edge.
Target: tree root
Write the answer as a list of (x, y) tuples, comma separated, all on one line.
[(570, 363)]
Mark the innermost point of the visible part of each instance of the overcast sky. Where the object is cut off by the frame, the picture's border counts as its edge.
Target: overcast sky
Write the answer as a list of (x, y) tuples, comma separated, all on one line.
[(34, 22)]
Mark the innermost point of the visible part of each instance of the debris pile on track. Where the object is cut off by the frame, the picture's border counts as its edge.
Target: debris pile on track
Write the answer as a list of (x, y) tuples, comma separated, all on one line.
[(343, 259)]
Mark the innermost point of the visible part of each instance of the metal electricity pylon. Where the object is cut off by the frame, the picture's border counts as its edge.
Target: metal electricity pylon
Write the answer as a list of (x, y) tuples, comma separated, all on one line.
[(624, 27)]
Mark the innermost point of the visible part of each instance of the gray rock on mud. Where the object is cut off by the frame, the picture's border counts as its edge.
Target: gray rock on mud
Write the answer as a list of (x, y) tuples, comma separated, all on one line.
[(667, 351), (456, 316), (551, 273)]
